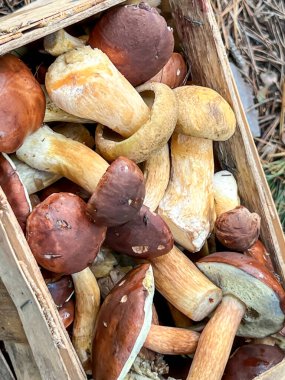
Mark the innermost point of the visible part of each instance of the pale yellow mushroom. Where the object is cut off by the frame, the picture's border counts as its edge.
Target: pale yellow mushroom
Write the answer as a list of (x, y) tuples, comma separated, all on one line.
[(60, 42), (225, 192)]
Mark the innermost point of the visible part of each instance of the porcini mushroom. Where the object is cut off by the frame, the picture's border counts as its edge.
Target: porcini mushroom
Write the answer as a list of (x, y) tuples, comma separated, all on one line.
[(61, 42), (56, 230), (251, 360), (139, 48), (259, 252), (252, 306), (225, 192), (60, 289), (66, 312), (117, 190), (22, 103), (123, 323)]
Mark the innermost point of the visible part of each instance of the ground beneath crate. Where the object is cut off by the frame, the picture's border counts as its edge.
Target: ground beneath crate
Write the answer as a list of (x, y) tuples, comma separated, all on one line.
[(9, 6)]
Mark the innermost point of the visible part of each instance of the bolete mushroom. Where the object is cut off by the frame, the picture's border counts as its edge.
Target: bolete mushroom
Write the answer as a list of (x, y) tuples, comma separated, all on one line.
[(61, 289), (22, 103), (252, 306), (66, 313), (117, 190), (122, 325), (225, 192), (251, 360), (61, 42), (61, 236), (140, 47), (259, 252)]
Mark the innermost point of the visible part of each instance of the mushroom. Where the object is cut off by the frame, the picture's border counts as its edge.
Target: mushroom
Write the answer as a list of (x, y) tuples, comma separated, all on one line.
[(225, 192), (122, 325), (118, 190), (150, 137), (259, 252), (63, 185), (251, 360), (61, 42), (22, 103), (57, 229), (139, 48), (238, 229), (35, 180), (15, 190), (188, 203), (104, 263), (87, 296), (85, 83), (61, 289), (66, 313), (252, 306)]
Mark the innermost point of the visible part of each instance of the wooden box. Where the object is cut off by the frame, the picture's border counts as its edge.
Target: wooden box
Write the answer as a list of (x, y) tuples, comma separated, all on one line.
[(30, 325)]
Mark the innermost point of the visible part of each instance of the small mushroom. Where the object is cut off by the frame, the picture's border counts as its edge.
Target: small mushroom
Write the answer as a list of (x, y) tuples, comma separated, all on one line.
[(61, 289), (22, 103), (66, 312), (251, 360), (123, 324), (15, 190), (252, 306), (259, 252), (145, 236), (225, 192), (61, 42), (140, 47), (118, 190), (61, 236), (238, 229), (85, 83)]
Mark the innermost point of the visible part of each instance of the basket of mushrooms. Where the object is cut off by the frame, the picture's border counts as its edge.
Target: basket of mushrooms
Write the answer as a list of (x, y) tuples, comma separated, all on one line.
[(138, 237)]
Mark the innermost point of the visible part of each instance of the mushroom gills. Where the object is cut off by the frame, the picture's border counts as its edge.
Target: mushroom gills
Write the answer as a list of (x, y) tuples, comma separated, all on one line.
[(263, 315)]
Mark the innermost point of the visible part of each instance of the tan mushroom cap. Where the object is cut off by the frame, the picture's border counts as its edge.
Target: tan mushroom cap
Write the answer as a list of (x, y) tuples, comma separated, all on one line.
[(123, 324)]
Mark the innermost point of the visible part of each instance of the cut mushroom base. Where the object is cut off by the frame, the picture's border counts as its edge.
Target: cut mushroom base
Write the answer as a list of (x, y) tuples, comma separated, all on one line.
[(225, 192)]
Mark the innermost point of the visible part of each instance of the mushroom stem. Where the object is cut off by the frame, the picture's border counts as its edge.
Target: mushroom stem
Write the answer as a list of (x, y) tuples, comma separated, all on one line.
[(60, 42), (87, 306), (184, 286), (225, 192), (50, 151), (216, 341), (171, 340), (156, 173)]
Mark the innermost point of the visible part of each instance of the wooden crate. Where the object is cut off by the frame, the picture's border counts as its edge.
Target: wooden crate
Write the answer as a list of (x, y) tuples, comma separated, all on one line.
[(34, 329)]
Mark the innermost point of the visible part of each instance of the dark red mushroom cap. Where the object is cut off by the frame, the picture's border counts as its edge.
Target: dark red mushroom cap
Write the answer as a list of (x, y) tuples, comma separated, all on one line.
[(61, 290), (14, 190), (119, 195), (123, 324), (22, 103), (145, 236), (252, 360), (67, 312), (136, 39), (61, 236)]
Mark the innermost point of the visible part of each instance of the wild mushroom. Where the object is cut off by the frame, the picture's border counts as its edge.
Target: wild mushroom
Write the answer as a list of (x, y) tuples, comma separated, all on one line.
[(188, 203), (150, 137), (22, 103), (251, 360), (225, 192), (252, 295), (85, 83), (61, 42), (118, 190), (123, 323), (259, 252), (238, 229), (56, 230), (63, 185), (61, 289), (139, 48), (87, 296), (66, 312), (15, 190)]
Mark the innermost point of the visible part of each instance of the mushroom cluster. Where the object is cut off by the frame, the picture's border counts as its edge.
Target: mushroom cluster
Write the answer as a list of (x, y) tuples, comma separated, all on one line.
[(116, 228)]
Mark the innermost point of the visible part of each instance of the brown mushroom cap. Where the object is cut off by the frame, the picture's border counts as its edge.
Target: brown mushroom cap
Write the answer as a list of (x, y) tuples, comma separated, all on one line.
[(22, 103), (259, 252), (123, 324), (119, 194), (254, 285), (252, 360), (61, 186), (238, 229), (145, 236), (136, 39), (61, 236), (61, 290), (14, 190), (66, 312)]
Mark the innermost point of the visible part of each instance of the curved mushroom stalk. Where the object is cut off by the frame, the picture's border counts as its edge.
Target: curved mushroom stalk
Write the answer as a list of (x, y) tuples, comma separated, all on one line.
[(61, 42), (87, 295), (150, 137), (225, 192), (188, 204), (85, 83), (35, 180), (252, 295), (118, 190)]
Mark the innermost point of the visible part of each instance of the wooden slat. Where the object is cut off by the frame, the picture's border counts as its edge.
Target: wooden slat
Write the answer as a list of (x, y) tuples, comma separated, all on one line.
[(210, 67), (11, 327), (5, 371), (23, 361), (44, 330), (42, 17), (275, 373)]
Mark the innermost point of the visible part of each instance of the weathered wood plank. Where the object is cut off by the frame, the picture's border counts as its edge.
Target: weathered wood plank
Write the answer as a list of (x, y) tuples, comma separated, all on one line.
[(5, 371), (23, 361), (275, 373)]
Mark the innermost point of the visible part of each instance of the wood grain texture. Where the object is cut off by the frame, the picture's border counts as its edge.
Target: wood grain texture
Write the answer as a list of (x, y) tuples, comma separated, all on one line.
[(203, 45), (5, 371), (43, 17)]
